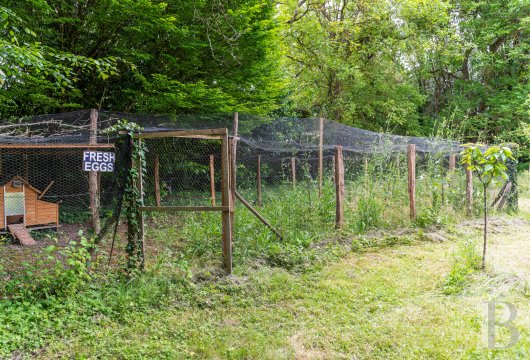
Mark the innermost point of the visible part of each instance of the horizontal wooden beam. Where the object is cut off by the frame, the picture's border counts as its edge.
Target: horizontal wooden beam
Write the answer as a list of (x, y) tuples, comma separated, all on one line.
[(182, 208), (193, 134), (57, 146), (42, 227)]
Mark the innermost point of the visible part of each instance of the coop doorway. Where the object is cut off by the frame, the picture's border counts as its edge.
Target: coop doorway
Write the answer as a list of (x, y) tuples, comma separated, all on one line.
[(14, 207)]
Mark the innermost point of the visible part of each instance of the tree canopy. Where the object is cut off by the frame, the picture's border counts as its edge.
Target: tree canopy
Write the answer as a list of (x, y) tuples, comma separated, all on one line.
[(417, 67)]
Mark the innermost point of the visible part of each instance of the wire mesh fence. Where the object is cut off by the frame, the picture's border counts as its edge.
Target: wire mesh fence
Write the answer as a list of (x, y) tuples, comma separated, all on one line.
[(285, 168), (178, 172)]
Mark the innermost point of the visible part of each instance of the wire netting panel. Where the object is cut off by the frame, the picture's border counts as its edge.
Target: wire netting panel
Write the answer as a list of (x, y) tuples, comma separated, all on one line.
[(178, 171)]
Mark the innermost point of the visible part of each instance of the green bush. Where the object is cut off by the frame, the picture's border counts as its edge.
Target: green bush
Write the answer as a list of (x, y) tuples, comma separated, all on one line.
[(466, 261), (369, 212), (427, 217), (287, 256), (56, 272)]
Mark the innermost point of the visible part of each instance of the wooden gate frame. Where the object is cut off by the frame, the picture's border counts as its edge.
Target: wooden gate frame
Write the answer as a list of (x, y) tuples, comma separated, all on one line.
[(227, 206)]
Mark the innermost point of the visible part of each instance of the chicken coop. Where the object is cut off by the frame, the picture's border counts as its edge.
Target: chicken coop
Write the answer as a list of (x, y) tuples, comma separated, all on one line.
[(44, 179)]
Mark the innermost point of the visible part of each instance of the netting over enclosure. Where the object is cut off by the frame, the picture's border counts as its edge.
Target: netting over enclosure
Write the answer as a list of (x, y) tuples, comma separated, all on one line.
[(285, 168), (288, 134)]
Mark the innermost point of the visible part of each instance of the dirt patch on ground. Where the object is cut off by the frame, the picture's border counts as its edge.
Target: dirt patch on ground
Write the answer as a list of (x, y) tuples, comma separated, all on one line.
[(301, 352), (432, 233), (15, 258), (496, 224)]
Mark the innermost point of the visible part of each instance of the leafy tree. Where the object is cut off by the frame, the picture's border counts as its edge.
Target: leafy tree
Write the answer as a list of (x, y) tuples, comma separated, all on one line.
[(407, 66), (488, 164), (475, 69), (344, 57), (171, 56), (411, 65), (32, 74)]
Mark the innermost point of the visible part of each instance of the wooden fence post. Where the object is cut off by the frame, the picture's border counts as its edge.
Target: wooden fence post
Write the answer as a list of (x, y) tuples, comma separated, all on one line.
[(411, 157), (141, 222), (258, 181), (293, 171), (157, 180), (226, 199), (212, 179), (366, 170), (233, 168), (320, 156), (398, 165), (469, 191), (93, 175), (339, 188), (452, 162)]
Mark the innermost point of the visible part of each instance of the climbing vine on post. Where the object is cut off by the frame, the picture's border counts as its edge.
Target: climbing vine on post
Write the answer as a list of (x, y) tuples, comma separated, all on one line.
[(132, 194), (488, 165)]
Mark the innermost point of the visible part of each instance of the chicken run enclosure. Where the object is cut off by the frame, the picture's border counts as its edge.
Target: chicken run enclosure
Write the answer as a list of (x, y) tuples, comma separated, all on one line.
[(241, 177)]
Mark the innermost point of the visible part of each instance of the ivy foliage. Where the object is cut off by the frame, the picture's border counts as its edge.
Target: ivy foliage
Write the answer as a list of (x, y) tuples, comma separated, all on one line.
[(132, 193)]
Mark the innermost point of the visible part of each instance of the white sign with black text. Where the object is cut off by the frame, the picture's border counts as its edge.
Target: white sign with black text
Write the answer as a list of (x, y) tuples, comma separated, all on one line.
[(101, 161)]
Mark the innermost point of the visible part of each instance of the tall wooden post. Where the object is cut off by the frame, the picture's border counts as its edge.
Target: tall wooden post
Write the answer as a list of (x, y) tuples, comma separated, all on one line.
[(293, 171), (452, 162), (233, 167), (258, 181), (398, 165), (93, 176), (366, 170), (320, 156), (141, 220), (469, 191), (157, 180), (26, 167), (212, 179), (226, 199), (339, 188), (411, 157)]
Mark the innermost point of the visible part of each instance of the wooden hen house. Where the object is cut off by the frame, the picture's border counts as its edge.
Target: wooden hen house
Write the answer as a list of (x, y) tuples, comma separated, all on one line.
[(21, 209)]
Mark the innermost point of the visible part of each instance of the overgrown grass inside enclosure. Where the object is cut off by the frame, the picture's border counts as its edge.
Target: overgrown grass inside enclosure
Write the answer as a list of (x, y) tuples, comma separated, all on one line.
[(376, 199)]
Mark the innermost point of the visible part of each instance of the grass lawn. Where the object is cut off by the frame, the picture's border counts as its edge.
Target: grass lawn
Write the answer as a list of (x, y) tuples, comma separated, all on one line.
[(388, 303)]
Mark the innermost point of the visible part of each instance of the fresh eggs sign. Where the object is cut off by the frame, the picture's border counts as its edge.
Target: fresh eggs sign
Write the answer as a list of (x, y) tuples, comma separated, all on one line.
[(101, 161)]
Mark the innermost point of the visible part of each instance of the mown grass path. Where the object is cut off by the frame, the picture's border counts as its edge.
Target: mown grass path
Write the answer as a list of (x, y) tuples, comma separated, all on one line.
[(385, 304)]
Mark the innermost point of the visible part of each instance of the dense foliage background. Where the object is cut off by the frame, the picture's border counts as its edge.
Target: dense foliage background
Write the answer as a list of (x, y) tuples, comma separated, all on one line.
[(422, 67)]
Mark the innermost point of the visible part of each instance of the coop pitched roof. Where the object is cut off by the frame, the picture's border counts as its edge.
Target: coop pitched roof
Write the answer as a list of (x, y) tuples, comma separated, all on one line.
[(19, 178)]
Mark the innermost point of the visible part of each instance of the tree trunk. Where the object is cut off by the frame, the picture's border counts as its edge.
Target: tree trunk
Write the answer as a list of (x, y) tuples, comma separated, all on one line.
[(485, 229)]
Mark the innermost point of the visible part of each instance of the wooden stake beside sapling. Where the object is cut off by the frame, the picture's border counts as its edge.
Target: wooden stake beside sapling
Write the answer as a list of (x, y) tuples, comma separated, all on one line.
[(487, 165)]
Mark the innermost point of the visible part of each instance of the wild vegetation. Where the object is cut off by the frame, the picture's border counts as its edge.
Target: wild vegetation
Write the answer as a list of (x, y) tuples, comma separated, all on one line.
[(383, 286), (373, 295)]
